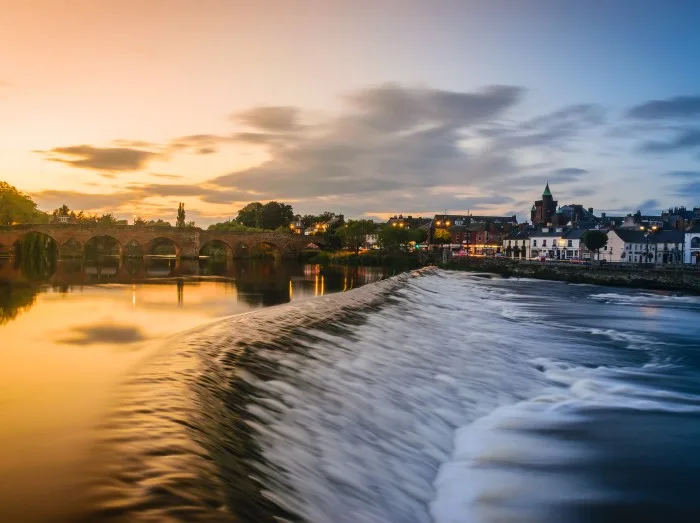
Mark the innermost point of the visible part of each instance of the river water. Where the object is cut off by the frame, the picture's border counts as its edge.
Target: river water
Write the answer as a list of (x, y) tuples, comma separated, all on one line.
[(430, 396)]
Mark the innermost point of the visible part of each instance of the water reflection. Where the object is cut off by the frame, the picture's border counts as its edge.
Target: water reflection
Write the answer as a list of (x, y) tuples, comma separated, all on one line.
[(69, 335), (253, 283)]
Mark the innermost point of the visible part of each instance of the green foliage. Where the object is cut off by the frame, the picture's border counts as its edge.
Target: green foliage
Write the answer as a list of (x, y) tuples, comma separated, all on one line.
[(354, 233), (37, 256), (251, 215), (309, 219), (442, 236), (232, 226), (269, 216), (180, 222), (14, 299), (394, 238), (595, 240), (15, 206)]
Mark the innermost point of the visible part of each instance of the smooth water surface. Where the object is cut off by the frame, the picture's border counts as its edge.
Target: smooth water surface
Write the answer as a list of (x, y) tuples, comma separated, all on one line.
[(66, 340)]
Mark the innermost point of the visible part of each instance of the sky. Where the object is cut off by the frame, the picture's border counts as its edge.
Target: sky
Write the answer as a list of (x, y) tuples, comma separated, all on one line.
[(364, 107)]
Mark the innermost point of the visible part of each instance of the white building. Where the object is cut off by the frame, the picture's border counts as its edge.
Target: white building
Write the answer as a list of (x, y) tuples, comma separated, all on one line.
[(643, 246), (692, 246), (517, 245), (557, 243)]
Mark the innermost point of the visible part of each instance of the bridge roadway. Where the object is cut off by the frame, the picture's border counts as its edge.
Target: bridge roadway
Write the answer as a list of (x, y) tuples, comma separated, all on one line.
[(188, 242)]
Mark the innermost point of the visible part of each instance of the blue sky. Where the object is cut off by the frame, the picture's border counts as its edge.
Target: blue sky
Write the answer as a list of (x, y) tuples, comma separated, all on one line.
[(367, 108)]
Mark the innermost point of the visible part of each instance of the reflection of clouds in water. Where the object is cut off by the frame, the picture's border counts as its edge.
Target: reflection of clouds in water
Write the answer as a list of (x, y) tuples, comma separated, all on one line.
[(104, 333)]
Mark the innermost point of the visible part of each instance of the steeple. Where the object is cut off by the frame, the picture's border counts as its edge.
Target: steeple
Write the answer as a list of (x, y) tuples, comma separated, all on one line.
[(547, 192)]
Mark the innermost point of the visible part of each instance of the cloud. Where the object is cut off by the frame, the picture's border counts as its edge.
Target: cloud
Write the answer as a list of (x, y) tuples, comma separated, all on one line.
[(167, 176), (101, 158), (104, 333), (687, 139), (690, 191), (391, 138), (650, 206), (552, 130), (678, 107), (684, 174), (270, 118), (573, 172)]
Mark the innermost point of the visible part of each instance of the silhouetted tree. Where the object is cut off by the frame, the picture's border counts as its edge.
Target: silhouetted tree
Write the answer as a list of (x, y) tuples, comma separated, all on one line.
[(181, 216)]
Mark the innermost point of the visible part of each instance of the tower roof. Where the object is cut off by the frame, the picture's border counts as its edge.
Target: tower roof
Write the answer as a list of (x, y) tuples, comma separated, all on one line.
[(533, 208), (547, 192)]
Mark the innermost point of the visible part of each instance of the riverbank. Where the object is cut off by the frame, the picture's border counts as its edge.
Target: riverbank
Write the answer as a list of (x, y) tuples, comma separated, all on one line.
[(672, 278)]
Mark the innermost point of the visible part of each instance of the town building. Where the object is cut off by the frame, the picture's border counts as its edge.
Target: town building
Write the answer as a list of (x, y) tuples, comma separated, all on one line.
[(476, 235), (642, 245), (408, 222), (543, 210), (516, 244), (692, 246), (558, 243)]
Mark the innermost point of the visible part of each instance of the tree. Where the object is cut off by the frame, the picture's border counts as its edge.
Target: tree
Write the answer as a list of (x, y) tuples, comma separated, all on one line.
[(394, 238), (15, 206), (63, 210), (231, 226), (441, 236), (107, 219), (269, 216), (275, 214), (595, 240), (354, 233), (180, 222), (250, 215)]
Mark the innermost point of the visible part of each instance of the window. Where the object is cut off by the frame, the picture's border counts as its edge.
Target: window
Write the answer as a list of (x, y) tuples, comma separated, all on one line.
[(571, 243), (544, 243), (534, 243), (605, 248)]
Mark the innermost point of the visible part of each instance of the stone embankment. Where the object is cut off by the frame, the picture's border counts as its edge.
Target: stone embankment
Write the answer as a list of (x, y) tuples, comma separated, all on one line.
[(646, 277)]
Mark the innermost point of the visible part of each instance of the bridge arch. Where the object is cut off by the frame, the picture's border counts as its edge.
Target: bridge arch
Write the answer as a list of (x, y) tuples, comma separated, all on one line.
[(162, 246), (132, 249), (217, 248), (265, 249), (72, 248), (103, 245)]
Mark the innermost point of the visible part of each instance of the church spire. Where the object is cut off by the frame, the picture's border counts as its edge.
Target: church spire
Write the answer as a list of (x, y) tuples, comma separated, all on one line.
[(547, 192)]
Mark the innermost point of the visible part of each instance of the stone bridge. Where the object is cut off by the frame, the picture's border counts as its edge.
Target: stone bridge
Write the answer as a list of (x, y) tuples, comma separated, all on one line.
[(187, 242)]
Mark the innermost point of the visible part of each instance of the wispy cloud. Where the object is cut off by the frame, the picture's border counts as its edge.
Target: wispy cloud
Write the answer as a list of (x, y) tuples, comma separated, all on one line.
[(678, 107), (101, 158)]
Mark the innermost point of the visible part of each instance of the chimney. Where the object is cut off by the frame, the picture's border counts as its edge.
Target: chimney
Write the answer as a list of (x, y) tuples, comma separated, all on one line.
[(590, 210)]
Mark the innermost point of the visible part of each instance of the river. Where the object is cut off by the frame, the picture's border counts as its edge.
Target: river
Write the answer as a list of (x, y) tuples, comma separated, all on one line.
[(430, 396)]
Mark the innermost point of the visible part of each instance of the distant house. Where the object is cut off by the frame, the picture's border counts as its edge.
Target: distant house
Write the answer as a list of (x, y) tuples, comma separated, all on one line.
[(321, 227), (644, 246), (64, 218)]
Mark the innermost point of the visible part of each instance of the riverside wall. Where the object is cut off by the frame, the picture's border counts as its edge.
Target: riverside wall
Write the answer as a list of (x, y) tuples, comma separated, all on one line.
[(664, 278)]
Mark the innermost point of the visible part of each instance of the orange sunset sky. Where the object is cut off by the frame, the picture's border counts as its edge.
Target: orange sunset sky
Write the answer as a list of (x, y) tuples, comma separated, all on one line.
[(366, 108)]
